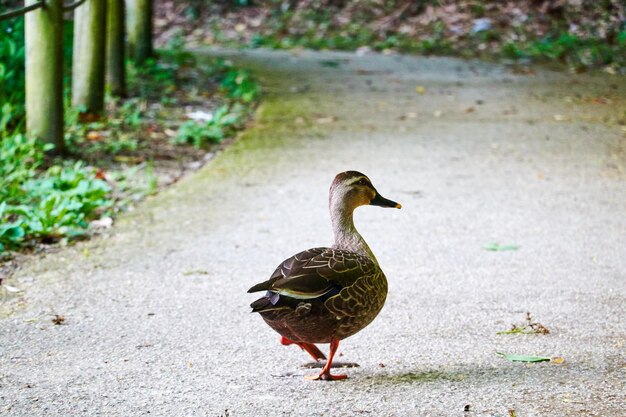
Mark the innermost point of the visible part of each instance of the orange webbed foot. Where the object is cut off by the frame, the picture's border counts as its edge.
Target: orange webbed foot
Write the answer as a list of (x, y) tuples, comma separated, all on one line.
[(325, 376)]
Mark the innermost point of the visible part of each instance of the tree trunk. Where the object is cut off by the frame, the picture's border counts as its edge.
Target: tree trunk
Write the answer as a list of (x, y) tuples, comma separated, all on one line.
[(139, 27), (89, 56), (44, 72), (115, 54)]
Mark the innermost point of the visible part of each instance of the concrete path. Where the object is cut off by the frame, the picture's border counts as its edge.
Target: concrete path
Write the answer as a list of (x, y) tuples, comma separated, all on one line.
[(157, 319)]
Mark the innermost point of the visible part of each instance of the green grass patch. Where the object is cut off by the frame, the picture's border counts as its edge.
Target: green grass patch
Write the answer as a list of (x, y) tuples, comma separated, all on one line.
[(45, 204), (577, 52)]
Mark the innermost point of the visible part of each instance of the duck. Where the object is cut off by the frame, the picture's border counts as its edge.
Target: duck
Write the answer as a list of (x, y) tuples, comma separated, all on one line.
[(326, 294)]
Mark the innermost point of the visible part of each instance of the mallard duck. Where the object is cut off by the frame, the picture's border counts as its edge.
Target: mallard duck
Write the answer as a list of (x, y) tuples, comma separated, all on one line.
[(324, 295)]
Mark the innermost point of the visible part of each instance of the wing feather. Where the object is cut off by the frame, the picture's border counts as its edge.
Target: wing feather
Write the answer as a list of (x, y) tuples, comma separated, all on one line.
[(315, 272)]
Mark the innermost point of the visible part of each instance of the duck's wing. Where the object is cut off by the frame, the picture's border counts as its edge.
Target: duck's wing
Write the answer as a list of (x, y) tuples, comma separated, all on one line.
[(316, 272)]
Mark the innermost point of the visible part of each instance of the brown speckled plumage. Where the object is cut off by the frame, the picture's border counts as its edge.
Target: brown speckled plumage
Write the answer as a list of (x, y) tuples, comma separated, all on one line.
[(351, 292), (324, 295)]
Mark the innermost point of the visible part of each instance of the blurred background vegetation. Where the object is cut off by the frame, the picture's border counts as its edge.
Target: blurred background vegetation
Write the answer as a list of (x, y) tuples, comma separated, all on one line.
[(174, 114), (580, 33)]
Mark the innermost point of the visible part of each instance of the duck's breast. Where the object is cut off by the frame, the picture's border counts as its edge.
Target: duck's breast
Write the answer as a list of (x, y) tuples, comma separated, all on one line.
[(358, 304)]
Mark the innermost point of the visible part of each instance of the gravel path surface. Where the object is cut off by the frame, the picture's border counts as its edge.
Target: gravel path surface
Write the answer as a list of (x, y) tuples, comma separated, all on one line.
[(156, 313)]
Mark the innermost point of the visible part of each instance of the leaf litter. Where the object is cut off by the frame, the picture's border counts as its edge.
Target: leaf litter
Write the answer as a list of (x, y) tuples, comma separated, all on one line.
[(496, 247), (195, 272), (523, 358), (531, 359), (527, 327)]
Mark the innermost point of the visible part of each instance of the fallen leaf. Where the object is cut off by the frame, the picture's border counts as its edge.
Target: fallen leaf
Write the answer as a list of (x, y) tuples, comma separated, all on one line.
[(103, 223), (523, 358), (437, 113), (496, 247), (196, 272), (470, 110), (527, 327), (329, 63), (482, 24), (363, 50), (88, 117), (366, 72), (127, 159), (200, 115), (558, 360), (94, 136), (420, 89), (560, 118), (58, 320), (326, 120), (193, 165), (10, 288), (601, 100), (522, 70)]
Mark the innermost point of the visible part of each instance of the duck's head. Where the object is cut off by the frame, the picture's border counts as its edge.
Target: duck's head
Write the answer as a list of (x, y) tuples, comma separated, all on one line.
[(352, 189)]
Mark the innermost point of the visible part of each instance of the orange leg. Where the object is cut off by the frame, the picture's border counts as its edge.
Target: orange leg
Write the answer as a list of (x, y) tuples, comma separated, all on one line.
[(325, 374), (309, 347)]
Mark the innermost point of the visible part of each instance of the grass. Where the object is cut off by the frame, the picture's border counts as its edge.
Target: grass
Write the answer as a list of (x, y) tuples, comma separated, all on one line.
[(579, 53)]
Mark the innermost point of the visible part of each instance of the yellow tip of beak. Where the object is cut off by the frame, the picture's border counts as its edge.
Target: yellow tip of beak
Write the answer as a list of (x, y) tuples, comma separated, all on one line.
[(398, 205)]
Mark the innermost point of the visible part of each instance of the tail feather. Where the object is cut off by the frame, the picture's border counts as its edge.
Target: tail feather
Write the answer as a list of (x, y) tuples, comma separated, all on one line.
[(263, 286), (261, 304), (267, 304)]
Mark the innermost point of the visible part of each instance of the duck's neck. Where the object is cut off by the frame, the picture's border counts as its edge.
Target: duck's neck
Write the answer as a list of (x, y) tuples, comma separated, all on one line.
[(346, 235)]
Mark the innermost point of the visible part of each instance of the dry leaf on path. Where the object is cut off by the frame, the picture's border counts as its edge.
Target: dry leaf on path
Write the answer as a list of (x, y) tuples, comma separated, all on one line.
[(326, 120), (11, 288)]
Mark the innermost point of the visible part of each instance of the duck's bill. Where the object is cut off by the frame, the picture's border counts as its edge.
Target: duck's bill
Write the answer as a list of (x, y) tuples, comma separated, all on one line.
[(381, 201)]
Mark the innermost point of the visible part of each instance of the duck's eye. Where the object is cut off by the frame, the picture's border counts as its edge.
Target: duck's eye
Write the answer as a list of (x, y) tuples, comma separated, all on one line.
[(362, 181)]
